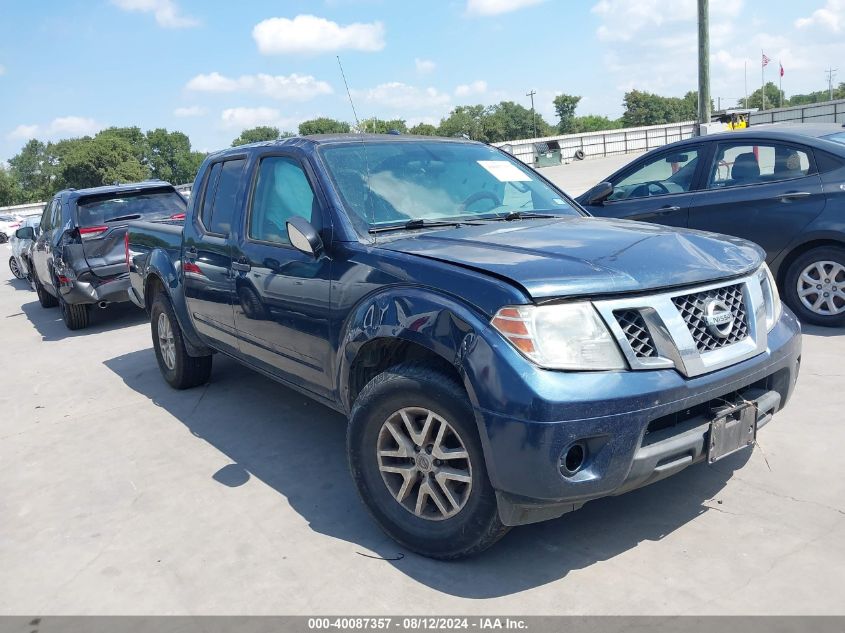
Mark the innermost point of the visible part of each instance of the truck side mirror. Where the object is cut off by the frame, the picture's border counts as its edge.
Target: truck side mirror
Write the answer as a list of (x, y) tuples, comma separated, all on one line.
[(25, 233), (303, 236), (599, 193)]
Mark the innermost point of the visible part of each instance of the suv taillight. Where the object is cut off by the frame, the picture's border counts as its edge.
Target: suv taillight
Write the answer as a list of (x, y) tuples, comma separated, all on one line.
[(90, 232)]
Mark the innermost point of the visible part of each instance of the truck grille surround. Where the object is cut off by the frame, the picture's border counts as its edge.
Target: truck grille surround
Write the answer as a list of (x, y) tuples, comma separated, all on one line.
[(693, 330)]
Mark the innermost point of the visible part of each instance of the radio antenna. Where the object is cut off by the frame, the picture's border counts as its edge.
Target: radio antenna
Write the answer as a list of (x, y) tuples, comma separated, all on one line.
[(363, 146)]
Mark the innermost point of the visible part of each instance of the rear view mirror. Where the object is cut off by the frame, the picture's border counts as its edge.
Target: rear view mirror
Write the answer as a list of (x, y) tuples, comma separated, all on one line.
[(677, 158), (599, 193), (25, 233), (303, 236)]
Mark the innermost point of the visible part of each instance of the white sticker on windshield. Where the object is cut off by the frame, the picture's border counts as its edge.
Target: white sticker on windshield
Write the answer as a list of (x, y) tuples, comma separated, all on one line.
[(558, 201), (505, 171)]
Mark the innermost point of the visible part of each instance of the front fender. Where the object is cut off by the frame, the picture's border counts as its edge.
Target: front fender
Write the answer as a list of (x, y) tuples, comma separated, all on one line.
[(159, 266)]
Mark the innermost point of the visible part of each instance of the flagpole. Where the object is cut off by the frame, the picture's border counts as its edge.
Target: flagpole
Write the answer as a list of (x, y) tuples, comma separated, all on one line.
[(763, 78), (746, 84), (780, 81)]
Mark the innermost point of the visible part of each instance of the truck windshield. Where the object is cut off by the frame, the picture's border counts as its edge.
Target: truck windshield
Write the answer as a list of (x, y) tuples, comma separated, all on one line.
[(384, 183), (149, 204)]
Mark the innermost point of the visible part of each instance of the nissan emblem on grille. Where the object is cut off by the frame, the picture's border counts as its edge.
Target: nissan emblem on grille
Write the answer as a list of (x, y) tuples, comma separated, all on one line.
[(718, 317)]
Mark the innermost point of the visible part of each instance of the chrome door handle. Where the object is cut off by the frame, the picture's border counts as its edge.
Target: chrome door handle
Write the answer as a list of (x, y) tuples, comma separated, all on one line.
[(241, 267), (789, 196)]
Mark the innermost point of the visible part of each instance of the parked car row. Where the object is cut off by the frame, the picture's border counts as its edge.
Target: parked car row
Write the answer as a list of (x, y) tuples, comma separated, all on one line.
[(502, 356), (20, 261)]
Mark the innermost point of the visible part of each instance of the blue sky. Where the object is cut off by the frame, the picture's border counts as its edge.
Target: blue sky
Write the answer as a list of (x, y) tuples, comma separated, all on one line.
[(212, 68)]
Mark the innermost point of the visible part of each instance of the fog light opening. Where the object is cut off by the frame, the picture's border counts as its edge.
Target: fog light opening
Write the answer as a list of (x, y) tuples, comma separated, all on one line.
[(572, 460)]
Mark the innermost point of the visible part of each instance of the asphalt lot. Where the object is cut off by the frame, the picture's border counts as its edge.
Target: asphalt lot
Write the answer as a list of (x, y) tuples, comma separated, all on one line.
[(119, 495)]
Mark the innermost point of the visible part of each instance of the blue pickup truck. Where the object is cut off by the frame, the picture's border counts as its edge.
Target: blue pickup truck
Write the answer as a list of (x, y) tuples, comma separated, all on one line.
[(502, 356)]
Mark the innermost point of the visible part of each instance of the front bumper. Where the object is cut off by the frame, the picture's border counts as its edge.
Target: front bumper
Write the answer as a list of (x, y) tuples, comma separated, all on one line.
[(638, 426)]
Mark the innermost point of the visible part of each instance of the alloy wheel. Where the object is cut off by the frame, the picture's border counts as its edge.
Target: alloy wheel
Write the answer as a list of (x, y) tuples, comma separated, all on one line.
[(424, 463), (166, 344), (821, 288)]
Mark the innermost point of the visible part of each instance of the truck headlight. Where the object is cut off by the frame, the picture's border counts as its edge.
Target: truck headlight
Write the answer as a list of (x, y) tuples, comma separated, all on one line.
[(565, 336), (774, 307)]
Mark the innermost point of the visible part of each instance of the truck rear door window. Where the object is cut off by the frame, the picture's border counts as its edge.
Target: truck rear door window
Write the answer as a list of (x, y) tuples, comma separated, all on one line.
[(225, 197)]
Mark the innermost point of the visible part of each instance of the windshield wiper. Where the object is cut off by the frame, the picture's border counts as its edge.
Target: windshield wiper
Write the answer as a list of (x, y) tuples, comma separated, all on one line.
[(416, 223), (524, 215), (121, 218)]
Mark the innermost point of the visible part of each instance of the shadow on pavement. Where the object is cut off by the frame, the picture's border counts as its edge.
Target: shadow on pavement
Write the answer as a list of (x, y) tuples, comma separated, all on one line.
[(48, 321), (20, 284), (297, 447)]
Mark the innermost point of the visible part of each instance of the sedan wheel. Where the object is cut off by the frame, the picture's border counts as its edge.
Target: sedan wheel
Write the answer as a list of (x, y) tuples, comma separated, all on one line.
[(16, 270), (424, 464), (821, 288)]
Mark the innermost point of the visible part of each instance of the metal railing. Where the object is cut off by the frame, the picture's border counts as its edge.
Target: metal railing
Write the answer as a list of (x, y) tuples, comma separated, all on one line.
[(605, 143), (826, 111)]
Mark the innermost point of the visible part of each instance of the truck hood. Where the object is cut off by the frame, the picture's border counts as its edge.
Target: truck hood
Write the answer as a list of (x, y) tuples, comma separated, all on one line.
[(578, 256)]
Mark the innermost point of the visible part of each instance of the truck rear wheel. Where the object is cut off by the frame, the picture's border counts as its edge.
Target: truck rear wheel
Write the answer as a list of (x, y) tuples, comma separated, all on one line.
[(180, 370), (416, 458), (75, 316)]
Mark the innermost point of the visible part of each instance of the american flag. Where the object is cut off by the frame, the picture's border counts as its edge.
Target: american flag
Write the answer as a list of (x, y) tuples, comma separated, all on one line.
[(766, 60)]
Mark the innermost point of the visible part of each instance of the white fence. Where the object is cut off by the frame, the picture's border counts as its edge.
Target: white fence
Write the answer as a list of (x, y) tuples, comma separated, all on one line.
[(827, 111), (23, 209), (606, 143)]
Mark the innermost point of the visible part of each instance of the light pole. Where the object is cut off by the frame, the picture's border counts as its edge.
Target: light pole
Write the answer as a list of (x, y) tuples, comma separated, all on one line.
[(703, 62), (533, 118)]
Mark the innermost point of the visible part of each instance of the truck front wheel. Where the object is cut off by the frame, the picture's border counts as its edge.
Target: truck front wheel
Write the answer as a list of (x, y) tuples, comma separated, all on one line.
[(416, 459), (180, 370)]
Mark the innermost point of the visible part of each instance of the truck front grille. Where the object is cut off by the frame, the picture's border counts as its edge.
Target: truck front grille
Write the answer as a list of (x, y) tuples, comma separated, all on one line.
[(691, 307), (634, 327)]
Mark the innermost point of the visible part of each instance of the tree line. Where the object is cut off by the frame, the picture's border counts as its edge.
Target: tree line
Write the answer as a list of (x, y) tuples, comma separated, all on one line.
[(126, 154)]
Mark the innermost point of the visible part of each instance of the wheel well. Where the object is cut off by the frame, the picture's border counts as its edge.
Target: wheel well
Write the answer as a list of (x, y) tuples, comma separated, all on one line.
[(151, 287), (800, 250), (380, 354)]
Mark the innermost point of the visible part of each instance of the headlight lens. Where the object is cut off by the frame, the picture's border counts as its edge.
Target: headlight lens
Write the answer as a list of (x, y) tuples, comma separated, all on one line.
[(774, 307), (566, 336)]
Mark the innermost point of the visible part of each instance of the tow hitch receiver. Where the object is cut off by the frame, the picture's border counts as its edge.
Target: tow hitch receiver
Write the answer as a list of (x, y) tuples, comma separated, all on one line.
[(733, 428)]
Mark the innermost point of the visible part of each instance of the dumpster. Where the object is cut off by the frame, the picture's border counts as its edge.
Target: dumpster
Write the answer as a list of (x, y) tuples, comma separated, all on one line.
[(546, 154)]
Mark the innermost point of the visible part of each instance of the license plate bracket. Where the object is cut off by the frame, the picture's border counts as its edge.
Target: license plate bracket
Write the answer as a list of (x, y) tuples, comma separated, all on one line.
[(733, 429)]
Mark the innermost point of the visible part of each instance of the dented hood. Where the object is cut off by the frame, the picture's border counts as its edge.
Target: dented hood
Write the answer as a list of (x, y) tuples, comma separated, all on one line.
[(578, 256)]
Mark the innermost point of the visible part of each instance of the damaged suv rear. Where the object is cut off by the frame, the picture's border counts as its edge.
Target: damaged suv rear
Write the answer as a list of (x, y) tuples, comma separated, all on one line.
[(79, 250)]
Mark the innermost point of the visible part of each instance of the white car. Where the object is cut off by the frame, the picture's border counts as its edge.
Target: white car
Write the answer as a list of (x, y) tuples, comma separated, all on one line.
[(9, 223), (19, 261)]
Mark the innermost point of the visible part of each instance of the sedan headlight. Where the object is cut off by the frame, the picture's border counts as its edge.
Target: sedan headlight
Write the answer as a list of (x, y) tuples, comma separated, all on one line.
[(565, 336), (774, 307)]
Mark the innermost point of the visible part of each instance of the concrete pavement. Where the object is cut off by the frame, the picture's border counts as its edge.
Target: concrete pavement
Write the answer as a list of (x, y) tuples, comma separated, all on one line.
[(119, 495)]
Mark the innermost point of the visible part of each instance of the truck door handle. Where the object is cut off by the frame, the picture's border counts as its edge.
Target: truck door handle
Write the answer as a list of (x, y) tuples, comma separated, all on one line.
[(789, 196), (241, 266), (191, 253)]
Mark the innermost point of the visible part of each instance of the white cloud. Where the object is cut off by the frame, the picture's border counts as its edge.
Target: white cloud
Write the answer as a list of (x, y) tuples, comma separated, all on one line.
[(190, 111), (474, 88), (282, 87), (60, 127), (497, 7), (242, 118), (167, 13), (401, 96), (23, 132), (424, 66), (830, 17), (311, 34)]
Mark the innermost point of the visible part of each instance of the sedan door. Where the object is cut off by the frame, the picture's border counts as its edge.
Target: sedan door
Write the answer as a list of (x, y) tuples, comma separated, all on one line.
[(763, 191), (657, 188), (282, 308)]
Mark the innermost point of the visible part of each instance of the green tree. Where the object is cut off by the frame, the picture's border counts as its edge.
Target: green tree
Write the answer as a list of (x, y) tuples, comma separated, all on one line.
[(646, 108), (256, 134), (464, 120), (105, 159), (323, 125), (594, 123), (10, 193), (135, 137), (565, 106), (33, 171), (170, 157), (507, 121), (423, 129), (375, 125), (773, 97)]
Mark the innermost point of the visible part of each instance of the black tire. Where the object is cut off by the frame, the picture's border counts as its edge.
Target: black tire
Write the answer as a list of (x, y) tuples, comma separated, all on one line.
[(186, 371), (44, 298), (15, 268), (476, 526), (822, 254), (579, 154), (76, 316)]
